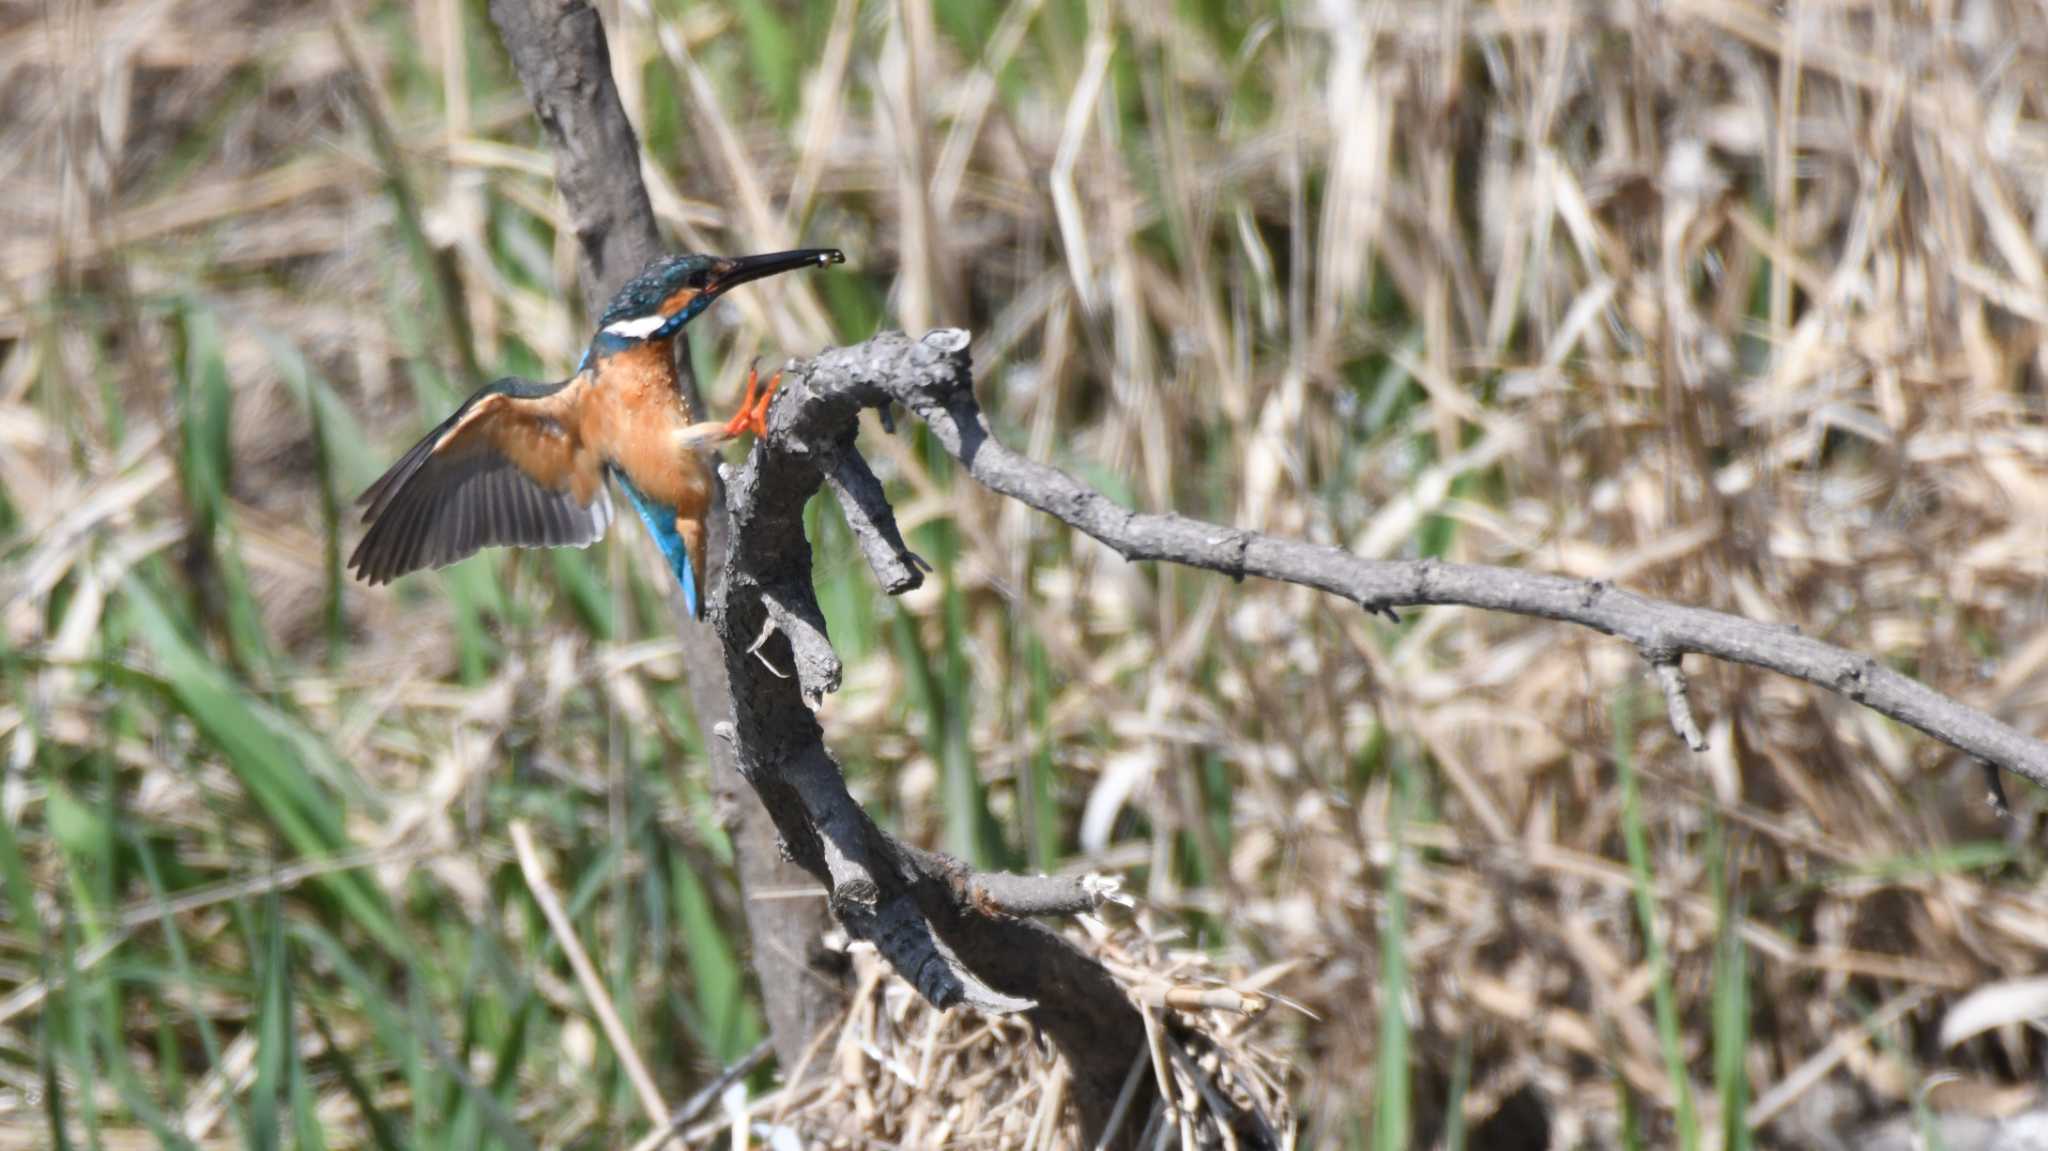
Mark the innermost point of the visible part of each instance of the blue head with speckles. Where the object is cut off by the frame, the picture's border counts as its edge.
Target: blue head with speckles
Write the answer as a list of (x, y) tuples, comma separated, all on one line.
[(672, 290)]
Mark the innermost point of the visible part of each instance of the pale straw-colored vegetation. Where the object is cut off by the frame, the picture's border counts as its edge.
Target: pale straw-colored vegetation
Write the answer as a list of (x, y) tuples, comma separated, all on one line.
[(1735, 304)]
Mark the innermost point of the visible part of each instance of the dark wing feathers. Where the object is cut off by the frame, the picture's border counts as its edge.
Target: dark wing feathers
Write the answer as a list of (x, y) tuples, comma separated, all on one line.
[(450, 508), (434, 508)]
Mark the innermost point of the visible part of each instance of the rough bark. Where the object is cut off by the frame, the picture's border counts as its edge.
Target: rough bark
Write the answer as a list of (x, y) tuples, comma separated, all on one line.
[(960, 937), (955, 935), (559, 50)]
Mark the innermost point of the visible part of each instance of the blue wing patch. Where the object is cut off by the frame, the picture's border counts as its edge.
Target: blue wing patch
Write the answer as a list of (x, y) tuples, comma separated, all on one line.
[(661, 524)]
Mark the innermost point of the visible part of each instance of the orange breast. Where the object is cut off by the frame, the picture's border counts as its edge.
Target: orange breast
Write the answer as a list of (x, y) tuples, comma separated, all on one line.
[(630, 418)]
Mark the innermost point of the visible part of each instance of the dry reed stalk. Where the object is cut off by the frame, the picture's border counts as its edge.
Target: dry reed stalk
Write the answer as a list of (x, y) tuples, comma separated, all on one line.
[(1863, 454)]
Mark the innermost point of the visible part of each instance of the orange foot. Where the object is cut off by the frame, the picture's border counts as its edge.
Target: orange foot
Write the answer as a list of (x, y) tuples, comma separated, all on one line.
[(752, 416)]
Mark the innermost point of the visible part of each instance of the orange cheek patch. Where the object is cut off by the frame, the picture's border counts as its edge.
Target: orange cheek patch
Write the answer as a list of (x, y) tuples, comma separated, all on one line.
[(678, 301)]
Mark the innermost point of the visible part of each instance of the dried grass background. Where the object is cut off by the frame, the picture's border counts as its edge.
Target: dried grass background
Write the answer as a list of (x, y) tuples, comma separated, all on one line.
[(1733, 304)]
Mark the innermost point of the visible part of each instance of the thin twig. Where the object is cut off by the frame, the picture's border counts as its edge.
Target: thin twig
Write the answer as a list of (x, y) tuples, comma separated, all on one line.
[(1122, 1109), (705, 1096)]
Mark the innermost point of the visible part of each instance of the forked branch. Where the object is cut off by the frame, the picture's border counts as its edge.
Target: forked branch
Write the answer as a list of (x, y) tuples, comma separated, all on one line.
[(953, 933), (958, 936)]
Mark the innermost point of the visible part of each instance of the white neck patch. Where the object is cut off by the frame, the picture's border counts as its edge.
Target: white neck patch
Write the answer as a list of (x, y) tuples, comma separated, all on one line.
[(638, 328)]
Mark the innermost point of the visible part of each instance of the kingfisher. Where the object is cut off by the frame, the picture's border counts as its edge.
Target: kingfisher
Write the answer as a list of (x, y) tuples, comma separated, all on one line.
[(524, 464)]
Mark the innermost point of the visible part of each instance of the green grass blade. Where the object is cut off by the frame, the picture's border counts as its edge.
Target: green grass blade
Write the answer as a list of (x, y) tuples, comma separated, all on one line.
[(187, 975), (1041, 793), (342, 466), (1664, 997), (1731, 1000), (731, 1024), (589, 596), (944, 695), (382, 1134), (1390, 1079), (274, 1032), (20, 889), (75, 832), (307, 818), (971, 828), (474, 592), (776, 68), (205, 410), (390, 1022), (1454, 1100), (69, 1018), (435, 269)]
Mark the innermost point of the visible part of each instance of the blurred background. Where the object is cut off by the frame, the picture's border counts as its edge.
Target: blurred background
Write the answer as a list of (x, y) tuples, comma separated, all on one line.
[(1731, 303)]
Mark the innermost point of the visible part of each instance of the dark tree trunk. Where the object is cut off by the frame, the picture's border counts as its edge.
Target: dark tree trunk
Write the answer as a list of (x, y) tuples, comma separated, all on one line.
[(558, 47)]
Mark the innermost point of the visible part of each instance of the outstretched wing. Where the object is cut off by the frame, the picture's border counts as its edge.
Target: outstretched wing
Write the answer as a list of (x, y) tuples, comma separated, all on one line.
[(507, 469)]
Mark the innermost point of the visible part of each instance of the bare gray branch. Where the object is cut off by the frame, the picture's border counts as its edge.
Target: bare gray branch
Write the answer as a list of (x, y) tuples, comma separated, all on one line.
[(933, 379)]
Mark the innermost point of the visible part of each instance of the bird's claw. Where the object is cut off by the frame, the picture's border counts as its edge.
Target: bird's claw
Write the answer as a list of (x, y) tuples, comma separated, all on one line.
[(753, 413)]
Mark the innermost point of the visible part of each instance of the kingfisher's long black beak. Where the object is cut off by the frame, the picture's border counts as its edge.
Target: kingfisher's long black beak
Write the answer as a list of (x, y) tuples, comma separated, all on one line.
[(735, 272)]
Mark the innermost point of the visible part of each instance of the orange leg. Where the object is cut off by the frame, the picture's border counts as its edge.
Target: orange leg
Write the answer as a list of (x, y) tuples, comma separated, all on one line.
[(753, 412)]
